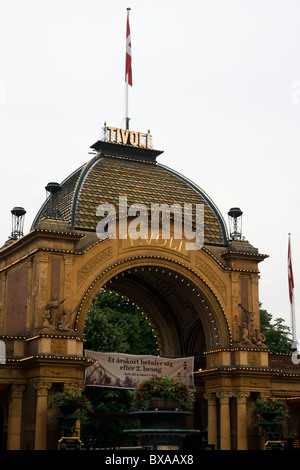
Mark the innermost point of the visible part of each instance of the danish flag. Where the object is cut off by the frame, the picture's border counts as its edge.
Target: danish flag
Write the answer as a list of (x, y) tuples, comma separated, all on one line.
[(128, 69), (290, 274)]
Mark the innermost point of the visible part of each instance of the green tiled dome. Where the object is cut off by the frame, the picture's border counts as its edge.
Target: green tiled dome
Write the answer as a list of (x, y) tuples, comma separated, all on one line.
[(106, 177)]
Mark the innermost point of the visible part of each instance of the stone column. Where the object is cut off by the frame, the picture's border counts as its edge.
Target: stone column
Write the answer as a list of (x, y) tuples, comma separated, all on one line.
[(212, 425), (225, 436), (41, 416), (241, 408), (15, 417)]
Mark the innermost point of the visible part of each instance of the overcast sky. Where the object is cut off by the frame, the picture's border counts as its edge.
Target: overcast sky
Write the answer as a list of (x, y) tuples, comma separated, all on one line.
[(217, 82)]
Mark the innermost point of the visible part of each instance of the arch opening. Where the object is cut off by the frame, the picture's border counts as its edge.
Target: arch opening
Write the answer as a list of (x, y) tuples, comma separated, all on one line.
[(117, 324), (184, 313)]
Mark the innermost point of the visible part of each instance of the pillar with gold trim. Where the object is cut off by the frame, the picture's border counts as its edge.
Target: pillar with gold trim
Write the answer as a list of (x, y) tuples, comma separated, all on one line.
[(15, 417), (41, 418), (241, 407), (225, 430)]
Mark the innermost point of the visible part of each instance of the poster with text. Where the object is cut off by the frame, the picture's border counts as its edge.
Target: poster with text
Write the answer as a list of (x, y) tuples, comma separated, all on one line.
[(118, 370)]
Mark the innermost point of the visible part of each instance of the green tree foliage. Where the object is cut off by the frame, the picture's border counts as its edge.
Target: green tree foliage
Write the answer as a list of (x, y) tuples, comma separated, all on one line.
[(276, 333), (113, 324)]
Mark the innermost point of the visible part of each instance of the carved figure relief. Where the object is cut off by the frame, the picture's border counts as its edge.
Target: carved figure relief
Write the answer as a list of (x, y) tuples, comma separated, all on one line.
[(51, 318), (250, 336)]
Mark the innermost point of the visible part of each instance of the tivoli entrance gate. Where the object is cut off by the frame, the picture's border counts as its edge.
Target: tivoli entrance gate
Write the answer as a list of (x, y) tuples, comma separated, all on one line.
[(201, 302)]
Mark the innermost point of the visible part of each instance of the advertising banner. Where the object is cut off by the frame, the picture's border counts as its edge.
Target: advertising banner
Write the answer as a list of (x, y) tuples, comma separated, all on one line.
[(118, 370)]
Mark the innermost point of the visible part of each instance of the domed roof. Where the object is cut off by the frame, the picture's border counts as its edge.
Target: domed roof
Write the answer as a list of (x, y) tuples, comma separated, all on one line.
[(107, 176)]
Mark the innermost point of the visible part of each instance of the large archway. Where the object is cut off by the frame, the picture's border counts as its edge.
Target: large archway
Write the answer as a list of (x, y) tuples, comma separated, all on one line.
[(187, 317)]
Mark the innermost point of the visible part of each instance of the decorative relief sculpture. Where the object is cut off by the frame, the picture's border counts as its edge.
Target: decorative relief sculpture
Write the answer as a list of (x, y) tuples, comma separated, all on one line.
[(250, 336), (245, 335), (259, 338), (92, 264), (52, 320), (214, 278), (64, 324)]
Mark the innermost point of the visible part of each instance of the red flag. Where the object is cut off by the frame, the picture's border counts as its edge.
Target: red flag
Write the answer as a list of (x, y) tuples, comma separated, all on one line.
[(128, 69), (290, 273)]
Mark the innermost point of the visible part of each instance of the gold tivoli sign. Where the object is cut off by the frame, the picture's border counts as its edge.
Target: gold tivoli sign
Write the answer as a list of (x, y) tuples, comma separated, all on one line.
[(127, 137)]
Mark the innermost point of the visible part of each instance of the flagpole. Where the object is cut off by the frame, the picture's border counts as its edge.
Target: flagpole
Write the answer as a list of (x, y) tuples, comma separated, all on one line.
[(126, 103), (127, 72), (292, 297)]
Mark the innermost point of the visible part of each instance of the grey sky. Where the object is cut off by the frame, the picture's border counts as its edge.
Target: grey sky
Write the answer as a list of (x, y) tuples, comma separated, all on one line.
[(217, 83)]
